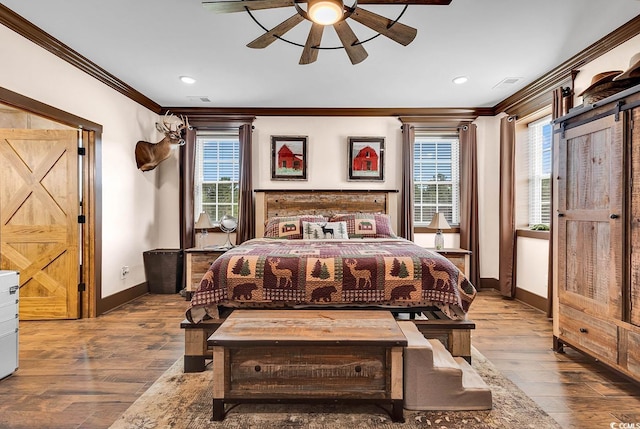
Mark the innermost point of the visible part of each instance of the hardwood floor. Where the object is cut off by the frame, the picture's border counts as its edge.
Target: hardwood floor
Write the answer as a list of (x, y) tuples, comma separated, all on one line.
[(572, 388), (85, 373)]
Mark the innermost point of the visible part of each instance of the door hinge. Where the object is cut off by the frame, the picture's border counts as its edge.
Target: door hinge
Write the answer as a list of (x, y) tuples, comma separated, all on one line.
[(82, 219), (82, 287), (82, 151)]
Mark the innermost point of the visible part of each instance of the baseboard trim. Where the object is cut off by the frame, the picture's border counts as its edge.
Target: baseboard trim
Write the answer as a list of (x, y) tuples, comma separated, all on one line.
[(117, 299), (489, 283), (535, 301)]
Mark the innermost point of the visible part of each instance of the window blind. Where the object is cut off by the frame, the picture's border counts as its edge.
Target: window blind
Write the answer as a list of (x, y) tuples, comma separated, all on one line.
[(217, 174), (436, 176), (539, 141)]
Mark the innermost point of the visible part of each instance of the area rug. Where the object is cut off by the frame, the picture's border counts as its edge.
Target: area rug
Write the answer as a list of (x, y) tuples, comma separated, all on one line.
[(183, 401)]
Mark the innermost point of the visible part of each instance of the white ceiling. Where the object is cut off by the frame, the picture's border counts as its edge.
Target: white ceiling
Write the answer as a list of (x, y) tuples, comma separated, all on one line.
[(150, 43)]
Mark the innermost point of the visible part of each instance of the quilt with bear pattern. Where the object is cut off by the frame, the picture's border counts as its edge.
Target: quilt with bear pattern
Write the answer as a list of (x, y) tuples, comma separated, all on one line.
[(272, 273)]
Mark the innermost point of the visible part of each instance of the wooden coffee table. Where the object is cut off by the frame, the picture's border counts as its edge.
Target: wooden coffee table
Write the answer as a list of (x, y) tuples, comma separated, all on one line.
[(308, 356)]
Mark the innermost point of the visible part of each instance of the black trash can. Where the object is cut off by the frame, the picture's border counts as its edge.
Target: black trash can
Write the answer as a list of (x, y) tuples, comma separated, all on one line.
[(163, 269)]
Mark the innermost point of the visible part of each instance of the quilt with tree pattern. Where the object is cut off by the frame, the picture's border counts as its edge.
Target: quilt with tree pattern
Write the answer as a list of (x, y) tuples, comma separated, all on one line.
[(272, 273)]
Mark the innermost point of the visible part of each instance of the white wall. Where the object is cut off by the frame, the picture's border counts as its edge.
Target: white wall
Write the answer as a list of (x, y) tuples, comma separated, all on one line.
[(134, 218), (533, 265), (327, 150)]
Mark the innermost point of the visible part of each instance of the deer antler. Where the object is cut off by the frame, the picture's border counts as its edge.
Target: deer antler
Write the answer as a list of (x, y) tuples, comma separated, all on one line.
[(185, 122), (163, 127)]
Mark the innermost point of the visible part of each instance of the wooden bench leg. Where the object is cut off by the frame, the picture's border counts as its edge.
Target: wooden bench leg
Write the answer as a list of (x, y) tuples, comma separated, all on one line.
[(195, 350), (397, 411)]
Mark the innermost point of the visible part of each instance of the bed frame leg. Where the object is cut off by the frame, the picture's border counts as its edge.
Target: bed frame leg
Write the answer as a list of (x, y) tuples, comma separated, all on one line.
[(194, 363), (218, 410)]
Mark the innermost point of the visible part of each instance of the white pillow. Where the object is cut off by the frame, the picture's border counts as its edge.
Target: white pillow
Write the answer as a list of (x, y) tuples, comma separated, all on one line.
[(324, 230)]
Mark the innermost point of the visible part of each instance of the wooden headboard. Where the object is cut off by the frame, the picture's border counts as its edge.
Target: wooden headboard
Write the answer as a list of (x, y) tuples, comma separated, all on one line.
[(270, 203)]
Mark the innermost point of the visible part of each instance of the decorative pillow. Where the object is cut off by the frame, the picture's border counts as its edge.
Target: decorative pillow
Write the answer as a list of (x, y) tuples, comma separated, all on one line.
[(328, 230), (289, 227), (366, 225)]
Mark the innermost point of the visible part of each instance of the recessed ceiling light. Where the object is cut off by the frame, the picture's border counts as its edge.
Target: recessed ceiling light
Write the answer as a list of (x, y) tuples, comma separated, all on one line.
[(187, 79), (460, 80)]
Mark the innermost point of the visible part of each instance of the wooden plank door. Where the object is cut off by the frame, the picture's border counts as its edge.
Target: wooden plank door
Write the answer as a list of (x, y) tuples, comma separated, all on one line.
[(39, 230), (634, 305), (591, 217)]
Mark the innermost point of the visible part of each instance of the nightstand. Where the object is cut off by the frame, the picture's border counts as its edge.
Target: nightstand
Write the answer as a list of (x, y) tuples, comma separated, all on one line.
[(459, 257), (198, 262)]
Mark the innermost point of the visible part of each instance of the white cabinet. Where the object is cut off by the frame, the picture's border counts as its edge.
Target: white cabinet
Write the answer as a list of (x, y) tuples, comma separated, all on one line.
[(9, 291)]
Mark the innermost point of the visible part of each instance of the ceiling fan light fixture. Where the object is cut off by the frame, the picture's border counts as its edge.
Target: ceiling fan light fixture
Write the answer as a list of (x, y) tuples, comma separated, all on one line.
[(325, 12)]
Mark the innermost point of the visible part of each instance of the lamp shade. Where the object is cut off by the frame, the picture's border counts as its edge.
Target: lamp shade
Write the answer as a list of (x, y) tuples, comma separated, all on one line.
[(439, 222), (203, 222)]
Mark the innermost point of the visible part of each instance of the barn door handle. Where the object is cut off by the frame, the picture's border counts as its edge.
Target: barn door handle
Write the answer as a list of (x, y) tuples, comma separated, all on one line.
[(560, 214), (614, 216)]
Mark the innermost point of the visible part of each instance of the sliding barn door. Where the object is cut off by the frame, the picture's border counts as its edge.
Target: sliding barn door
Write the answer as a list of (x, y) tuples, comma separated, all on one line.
[(39, 230), (591, 218)]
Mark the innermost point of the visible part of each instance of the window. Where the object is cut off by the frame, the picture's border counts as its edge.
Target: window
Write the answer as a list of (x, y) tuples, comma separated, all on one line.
[(217, 175), (540, 171), (436, 178)]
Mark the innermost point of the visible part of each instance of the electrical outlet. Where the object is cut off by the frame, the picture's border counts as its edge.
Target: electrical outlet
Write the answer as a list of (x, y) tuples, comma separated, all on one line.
[(124, 271)]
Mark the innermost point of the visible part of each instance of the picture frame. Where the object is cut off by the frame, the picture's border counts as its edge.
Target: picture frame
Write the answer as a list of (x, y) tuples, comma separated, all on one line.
[(288, 157), (366, 159)]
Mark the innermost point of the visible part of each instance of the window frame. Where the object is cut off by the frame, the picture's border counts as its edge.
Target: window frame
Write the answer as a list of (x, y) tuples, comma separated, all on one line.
[(199, 181), (454, 162)]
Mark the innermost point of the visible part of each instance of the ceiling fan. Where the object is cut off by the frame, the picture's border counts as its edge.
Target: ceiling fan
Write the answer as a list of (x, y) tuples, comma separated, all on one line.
[(322, 13)]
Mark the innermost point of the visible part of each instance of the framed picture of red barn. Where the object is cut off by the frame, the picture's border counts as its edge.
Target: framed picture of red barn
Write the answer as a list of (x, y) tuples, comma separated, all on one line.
[(288, 157), (366, 158)]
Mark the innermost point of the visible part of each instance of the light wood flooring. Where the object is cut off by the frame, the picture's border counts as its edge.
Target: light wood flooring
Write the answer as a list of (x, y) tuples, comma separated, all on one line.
[(85, 373)]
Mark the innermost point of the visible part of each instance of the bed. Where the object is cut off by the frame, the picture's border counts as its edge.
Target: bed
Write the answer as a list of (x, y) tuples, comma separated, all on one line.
[(331, 249), (389, 273)]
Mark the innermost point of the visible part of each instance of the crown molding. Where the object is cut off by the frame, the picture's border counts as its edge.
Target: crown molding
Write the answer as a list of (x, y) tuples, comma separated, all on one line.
[(530, 98), (15, 22), (538, 93), (408, 112)]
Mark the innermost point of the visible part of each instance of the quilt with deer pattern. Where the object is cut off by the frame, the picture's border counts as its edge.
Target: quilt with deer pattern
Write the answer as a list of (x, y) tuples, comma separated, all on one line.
[(394, 273)]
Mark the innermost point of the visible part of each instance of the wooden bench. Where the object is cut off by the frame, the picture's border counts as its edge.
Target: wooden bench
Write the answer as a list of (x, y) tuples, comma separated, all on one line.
[(454, 334), (294, 356)]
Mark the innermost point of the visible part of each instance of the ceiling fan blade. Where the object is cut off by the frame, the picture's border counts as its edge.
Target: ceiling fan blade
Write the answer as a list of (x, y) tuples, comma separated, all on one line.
[(230, 6), (397, 32), (403, 2), (309, 53), (271, 36), (356, 53)]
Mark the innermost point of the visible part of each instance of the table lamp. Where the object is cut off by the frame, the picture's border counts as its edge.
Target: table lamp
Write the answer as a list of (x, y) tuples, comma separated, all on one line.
[(439, 222), (202, 226)]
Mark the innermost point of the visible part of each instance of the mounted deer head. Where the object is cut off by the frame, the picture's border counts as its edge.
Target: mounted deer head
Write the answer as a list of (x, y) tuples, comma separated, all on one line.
[(149, 155)]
